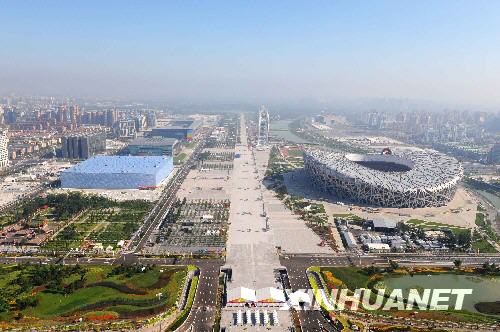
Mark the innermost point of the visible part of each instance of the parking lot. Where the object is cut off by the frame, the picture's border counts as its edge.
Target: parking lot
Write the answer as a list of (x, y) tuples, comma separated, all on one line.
[(198, 222)]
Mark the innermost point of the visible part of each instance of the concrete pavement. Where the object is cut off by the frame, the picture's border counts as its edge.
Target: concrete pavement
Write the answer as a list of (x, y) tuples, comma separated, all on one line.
[(251, 252)]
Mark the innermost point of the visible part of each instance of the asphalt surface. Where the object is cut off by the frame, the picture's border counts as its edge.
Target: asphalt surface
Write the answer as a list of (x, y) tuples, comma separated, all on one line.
[(310, 320), (202, 315)]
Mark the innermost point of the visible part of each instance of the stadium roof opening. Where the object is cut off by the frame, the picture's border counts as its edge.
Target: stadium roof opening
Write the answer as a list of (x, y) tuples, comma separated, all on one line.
[(382, 162)]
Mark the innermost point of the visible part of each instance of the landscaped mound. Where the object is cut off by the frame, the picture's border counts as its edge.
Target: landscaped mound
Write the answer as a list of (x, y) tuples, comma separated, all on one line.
[(45, 294)]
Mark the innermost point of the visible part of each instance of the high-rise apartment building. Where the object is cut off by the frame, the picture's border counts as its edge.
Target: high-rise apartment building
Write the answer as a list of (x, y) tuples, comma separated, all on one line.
[(74, 114), (140, 123), (10, 115), (126, 128), (151, 119), (83, 146), (4, 152), (494, 154), (111, 117)]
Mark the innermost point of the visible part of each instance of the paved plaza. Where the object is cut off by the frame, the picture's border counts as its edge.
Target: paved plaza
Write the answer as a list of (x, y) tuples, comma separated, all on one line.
[(213, 184), (260, 224), (251, 251)]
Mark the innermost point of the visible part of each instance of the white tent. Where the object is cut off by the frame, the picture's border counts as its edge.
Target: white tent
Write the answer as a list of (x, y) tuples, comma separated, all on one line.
[(270, 295), (241, 295)]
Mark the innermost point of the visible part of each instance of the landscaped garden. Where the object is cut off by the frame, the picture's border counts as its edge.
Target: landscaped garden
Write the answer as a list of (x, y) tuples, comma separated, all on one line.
[(179, 159), (97, 220), (395, 277), (38, 295)]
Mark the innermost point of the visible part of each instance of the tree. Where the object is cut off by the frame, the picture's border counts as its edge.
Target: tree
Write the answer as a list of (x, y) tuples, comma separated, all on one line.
[(4, 304), (393, 265), (69, 233), (464, 239), (457, 263), (372, 270), (420, 233), (403, 228)]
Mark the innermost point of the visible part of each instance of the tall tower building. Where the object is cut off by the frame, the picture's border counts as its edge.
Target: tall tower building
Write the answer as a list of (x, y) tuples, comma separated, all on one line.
[(74, 114), (151, 119), (263, 134), (111, 117), (4, 152)]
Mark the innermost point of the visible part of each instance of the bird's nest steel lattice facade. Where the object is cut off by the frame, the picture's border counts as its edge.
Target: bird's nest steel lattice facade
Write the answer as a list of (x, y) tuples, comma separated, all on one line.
[(413, 178)]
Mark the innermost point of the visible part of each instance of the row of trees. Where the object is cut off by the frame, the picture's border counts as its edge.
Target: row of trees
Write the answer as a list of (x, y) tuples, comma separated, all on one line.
[(66, 205), (489, 269), (38, 275), (130, 270)]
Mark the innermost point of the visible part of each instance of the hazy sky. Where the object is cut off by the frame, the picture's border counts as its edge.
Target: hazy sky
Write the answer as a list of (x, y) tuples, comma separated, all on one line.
[(228, 50)]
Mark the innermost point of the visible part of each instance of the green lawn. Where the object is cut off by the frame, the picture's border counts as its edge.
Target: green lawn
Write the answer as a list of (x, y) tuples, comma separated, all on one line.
[(349, 216), (179, 159), (189, 303), (436, 225), (415, 222), (295, 153), (483, 246)]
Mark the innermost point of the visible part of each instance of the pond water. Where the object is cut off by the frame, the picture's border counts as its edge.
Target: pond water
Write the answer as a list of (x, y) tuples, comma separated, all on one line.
[(484, 289), (493, 199), (280, 129)]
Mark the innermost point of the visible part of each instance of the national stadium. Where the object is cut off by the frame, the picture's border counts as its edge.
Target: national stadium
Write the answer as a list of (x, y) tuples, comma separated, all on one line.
[(410, 179)]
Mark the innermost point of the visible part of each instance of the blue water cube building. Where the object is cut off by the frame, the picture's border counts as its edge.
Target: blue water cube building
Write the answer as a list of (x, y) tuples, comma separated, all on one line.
[(118, 172)]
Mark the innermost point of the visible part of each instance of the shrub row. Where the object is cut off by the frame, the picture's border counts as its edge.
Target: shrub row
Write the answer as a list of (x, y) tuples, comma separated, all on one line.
[(185, 312)]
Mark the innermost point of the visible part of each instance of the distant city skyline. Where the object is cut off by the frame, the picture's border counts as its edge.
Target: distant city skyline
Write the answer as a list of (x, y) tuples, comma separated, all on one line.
[(443, 52)]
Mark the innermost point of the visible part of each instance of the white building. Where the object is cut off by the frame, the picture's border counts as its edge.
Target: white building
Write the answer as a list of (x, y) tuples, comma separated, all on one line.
[(4, 152), (377, 247)]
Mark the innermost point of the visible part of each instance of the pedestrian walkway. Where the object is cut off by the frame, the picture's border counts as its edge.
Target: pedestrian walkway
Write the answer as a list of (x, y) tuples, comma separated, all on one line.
[(251, 252)]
